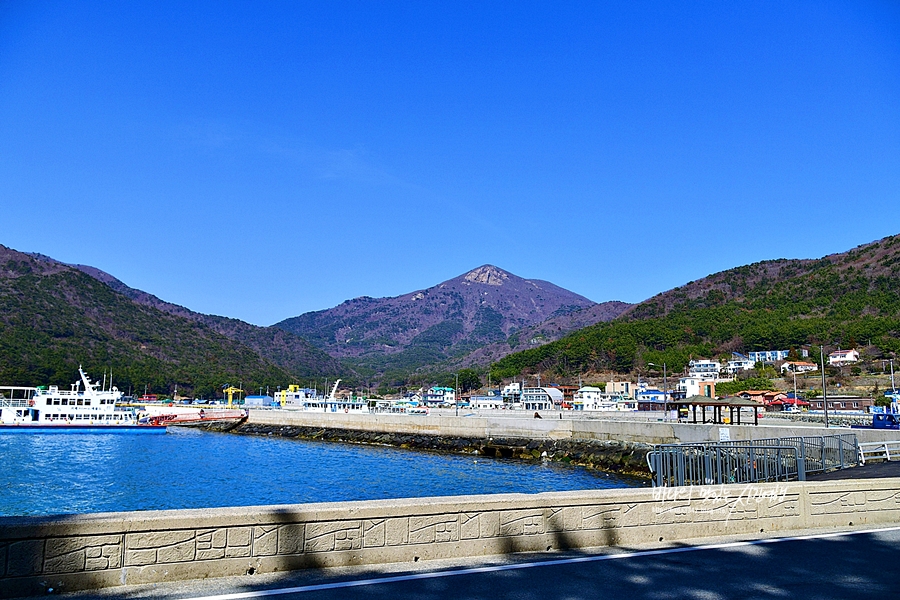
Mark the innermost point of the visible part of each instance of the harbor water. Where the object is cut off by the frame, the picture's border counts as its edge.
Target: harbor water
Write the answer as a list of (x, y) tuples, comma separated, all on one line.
[(47, 474)]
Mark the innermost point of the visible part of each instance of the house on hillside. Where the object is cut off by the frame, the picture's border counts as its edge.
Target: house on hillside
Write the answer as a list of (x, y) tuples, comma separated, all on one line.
[(798, 367), (773, 356), (704, 369), (839, 358), (738, 363)]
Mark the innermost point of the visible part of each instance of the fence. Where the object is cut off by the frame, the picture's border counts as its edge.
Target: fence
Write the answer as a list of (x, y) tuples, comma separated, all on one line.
[(879, 450), (751, 461)]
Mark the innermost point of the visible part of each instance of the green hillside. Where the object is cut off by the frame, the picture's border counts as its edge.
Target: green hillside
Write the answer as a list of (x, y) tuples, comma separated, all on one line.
[(54, 318), (847, 300)]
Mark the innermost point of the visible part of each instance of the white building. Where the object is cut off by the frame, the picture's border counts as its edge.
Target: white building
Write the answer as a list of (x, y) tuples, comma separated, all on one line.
[(843, 357), (294, 396), (739, 363), (773, 356), (512, 392), (486, 402), (798, 367), (696, 386), (590, 398), (542, 398), (708, 369), (439, 395)]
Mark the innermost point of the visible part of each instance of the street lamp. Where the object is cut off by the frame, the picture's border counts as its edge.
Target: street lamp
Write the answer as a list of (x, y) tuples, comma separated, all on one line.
[(665, 391), (456, 395)]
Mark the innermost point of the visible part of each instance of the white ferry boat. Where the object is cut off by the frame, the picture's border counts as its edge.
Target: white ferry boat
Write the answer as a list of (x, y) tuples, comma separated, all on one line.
[(83, 408), (295, 398)]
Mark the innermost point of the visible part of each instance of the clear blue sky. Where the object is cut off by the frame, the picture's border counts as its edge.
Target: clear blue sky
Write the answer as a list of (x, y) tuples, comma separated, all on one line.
[(261, 159)]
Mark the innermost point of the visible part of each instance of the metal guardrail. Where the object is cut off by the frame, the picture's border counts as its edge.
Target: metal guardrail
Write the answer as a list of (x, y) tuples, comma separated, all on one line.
[(879, 451), (751, 461)]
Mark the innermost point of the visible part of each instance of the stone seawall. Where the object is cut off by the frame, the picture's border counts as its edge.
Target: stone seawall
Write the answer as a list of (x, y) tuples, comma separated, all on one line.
[(65, 553), (616, 456), (486, 425)]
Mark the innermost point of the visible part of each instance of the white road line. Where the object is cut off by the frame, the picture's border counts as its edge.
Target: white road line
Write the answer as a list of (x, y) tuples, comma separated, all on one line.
[(528, 565)]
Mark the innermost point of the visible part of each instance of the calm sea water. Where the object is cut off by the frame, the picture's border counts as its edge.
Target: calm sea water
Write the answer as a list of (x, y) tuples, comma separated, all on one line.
[(85, 473)]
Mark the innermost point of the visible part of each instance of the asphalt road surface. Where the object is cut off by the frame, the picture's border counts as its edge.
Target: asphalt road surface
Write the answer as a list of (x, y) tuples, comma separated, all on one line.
[(834, 565)]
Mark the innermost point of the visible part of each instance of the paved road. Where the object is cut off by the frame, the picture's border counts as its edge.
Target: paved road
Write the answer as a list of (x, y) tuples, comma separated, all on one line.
[(871, 470), (822, 566)]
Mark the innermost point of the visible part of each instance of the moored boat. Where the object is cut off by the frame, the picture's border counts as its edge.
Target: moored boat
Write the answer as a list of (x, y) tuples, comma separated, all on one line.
[(85, 408)]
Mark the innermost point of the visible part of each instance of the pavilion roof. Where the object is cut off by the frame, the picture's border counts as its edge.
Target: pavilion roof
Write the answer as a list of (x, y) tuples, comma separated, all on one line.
[(726, 401)]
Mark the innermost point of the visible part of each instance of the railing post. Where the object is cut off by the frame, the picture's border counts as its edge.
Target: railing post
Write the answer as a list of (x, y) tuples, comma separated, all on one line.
[(801, 468)]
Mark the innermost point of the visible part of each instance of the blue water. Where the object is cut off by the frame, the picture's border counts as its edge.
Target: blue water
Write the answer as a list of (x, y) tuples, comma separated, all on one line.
[(44, 474)]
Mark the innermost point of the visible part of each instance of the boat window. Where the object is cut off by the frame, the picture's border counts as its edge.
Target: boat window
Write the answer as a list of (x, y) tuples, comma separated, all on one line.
[(79, 402), (87, 402), (65, 401)]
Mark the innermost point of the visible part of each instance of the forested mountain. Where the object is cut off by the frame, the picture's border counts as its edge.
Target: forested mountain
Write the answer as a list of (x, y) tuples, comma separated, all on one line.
[(54, 317), (284, 349), (447, 322), (846, 300)]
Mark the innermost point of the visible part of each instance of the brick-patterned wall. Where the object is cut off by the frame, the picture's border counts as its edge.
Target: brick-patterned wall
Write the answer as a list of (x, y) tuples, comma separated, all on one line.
[(92, 551)]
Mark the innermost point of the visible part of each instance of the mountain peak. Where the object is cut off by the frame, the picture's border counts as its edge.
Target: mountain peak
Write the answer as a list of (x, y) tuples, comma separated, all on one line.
[(487, 274)]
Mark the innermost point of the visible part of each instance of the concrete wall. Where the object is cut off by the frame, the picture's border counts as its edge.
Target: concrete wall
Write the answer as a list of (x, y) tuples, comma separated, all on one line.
[(487, 426), (93, 551)]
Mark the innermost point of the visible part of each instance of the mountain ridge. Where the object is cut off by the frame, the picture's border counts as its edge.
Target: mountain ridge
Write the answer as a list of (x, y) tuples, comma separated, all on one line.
[(450, 320), (839, 299)]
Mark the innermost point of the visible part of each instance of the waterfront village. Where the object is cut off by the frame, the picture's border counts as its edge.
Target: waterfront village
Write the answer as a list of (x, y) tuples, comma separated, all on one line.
[(695, 387)]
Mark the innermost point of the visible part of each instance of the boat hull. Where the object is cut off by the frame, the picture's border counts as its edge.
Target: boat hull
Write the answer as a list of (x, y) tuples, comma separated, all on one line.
[(118, 429)]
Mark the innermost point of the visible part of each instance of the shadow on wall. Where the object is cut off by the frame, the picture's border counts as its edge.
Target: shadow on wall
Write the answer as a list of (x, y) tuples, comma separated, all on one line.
[(857, 566), (860, 566)]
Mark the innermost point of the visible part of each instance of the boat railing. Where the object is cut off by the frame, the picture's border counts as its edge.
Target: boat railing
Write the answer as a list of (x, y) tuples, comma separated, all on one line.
[(16, 397), (13, 403)]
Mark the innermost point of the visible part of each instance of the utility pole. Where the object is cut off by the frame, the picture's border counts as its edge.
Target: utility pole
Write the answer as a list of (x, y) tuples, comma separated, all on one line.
[(824, 392), (893, 389), (665, 389)]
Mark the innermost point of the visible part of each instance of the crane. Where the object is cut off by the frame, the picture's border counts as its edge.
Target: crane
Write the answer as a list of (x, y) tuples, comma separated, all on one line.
[(230, 391)]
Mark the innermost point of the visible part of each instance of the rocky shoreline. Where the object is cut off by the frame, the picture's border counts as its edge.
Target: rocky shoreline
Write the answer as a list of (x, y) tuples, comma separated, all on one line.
[(625, 458)]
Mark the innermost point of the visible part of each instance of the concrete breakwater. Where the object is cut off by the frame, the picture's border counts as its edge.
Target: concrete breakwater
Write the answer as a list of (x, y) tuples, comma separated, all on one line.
[(624, 457)]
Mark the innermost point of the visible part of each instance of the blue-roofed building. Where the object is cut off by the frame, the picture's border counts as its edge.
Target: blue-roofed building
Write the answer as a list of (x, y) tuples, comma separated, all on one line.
[(259, 401)]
